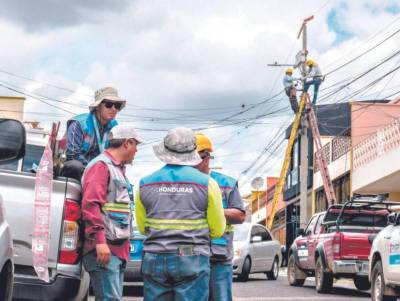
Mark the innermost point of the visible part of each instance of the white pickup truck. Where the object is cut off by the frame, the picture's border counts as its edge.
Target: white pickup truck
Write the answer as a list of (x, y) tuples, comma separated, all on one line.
[(68, 280), (384, 262)]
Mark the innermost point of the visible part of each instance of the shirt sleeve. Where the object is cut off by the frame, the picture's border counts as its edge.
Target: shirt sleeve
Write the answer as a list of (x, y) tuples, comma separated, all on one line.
[(95, 186), (215, 212), (235, 200), (140, 212), (74, 142)]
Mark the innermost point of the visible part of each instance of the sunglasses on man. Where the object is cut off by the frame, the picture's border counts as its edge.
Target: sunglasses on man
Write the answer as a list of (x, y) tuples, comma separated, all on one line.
[(109, 104)]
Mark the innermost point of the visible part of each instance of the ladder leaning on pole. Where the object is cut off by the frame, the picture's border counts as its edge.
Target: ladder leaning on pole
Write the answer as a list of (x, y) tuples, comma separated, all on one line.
[(321, 160), (320, 156)]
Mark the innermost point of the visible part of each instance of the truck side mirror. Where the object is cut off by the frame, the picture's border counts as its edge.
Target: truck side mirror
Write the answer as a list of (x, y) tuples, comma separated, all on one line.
[(300, 232), (12, 140)]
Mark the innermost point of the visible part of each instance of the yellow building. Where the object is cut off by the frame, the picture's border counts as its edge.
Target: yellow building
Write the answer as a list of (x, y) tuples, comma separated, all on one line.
[(12, 107)]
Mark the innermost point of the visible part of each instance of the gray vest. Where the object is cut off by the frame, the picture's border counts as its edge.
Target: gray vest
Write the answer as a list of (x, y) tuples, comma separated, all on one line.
[(117, 213), (176, 202)]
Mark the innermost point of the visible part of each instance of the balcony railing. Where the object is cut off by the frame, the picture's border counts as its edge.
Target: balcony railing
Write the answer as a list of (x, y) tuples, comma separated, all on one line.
[(335, 149), (379, 143)]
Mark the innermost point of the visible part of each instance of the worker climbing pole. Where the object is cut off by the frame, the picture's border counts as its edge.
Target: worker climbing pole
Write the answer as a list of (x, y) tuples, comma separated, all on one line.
[(307, 107)]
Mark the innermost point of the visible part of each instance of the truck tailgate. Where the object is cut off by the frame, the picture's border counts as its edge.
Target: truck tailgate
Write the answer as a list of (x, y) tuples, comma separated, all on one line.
[(354, 246), (18, 193)]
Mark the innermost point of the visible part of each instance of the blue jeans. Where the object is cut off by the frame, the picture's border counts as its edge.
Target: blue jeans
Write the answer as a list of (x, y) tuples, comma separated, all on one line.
[(177, 278), (316, 82), (220, 281), (107, 282)]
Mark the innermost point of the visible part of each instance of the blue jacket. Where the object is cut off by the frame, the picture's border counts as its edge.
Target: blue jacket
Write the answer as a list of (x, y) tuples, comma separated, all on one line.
[(88, 127)]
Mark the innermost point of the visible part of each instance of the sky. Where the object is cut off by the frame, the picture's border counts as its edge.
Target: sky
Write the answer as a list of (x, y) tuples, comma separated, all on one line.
[(200, 64)]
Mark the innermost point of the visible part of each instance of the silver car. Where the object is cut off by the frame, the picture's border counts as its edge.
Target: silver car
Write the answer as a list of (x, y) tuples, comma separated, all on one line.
[(255, 251), (6, 258), (133, 272)]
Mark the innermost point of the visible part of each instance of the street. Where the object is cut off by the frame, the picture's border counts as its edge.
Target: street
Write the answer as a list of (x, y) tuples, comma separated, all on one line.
[(258, 288)]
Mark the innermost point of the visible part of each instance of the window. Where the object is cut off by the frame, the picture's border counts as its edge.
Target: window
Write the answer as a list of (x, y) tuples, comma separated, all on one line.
[(318, 226), (311, 224), (359, 218), (10, 166), (261, 231), (33, 154), (266, 236)]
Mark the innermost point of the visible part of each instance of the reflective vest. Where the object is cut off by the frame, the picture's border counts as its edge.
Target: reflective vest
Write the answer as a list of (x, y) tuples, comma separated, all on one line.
[(117, 212), (222, 248), (176, 200), (89, 123)]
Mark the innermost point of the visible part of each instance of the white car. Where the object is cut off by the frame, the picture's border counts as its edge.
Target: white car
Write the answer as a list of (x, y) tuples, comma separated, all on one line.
[(384, 262), (6, 261), (255, 251)]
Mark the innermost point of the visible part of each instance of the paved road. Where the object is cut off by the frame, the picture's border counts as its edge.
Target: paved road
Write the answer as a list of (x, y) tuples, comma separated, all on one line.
[(260, 289)]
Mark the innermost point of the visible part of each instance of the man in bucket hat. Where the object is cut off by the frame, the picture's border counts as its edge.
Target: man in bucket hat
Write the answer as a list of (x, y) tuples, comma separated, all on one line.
[(178, 208), (87, 134), (107, 213)]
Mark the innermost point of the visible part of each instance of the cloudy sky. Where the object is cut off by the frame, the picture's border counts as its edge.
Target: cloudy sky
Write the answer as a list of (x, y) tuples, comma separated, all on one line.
[(201, 64)]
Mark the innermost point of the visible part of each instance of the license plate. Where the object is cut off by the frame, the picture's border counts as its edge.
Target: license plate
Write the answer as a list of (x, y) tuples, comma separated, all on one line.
[(302, 253)]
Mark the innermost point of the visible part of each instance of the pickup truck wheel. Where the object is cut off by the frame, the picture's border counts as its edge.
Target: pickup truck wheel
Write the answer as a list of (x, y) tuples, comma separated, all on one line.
[(6, 282), (244, 275), (323, 280), (274, 272), (291, 273), (362, 283), (378, 284)]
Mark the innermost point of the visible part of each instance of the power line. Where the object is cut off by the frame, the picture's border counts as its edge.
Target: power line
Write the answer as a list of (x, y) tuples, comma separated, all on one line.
[(363, 53)]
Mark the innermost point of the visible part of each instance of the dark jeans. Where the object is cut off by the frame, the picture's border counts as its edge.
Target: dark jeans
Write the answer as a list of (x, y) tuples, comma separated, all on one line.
[(220, 281), (107, 282), (170, 277), (316, 81), (291, 93), (73, 169)]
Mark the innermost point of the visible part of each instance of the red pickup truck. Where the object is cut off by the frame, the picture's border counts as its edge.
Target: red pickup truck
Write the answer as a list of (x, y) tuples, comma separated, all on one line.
[(337, 243)]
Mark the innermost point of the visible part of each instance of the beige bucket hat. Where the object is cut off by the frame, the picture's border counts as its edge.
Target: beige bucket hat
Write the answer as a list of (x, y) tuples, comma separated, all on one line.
[(108, 93), (178, 148)]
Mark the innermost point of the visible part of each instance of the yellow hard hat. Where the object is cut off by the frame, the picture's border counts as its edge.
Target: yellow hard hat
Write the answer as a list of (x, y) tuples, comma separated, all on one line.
[(203, 143), (310, 63), (289, 70)]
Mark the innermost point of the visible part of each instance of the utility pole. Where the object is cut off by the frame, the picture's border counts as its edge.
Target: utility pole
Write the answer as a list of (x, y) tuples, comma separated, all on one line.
[(305, 205)]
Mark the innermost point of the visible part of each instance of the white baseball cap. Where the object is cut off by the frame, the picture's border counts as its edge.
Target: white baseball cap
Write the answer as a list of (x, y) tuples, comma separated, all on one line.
[(125, 131)]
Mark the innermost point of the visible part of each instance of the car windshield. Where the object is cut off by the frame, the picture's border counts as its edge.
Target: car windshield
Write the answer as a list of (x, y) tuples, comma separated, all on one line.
[(241, 232)]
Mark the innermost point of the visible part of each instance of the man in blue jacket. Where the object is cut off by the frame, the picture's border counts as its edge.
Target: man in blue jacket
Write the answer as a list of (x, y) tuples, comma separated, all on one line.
[(87, 134), (221, 248)]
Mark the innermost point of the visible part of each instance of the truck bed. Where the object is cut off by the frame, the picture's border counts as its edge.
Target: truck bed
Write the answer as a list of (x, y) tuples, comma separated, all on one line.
[(18, 191)]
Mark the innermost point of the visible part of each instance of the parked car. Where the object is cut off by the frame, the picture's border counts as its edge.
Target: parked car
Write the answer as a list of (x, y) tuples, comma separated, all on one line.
[(133, 270), (384, 262), (68, 280), (6, 258), (337, 243), (255, 251)]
